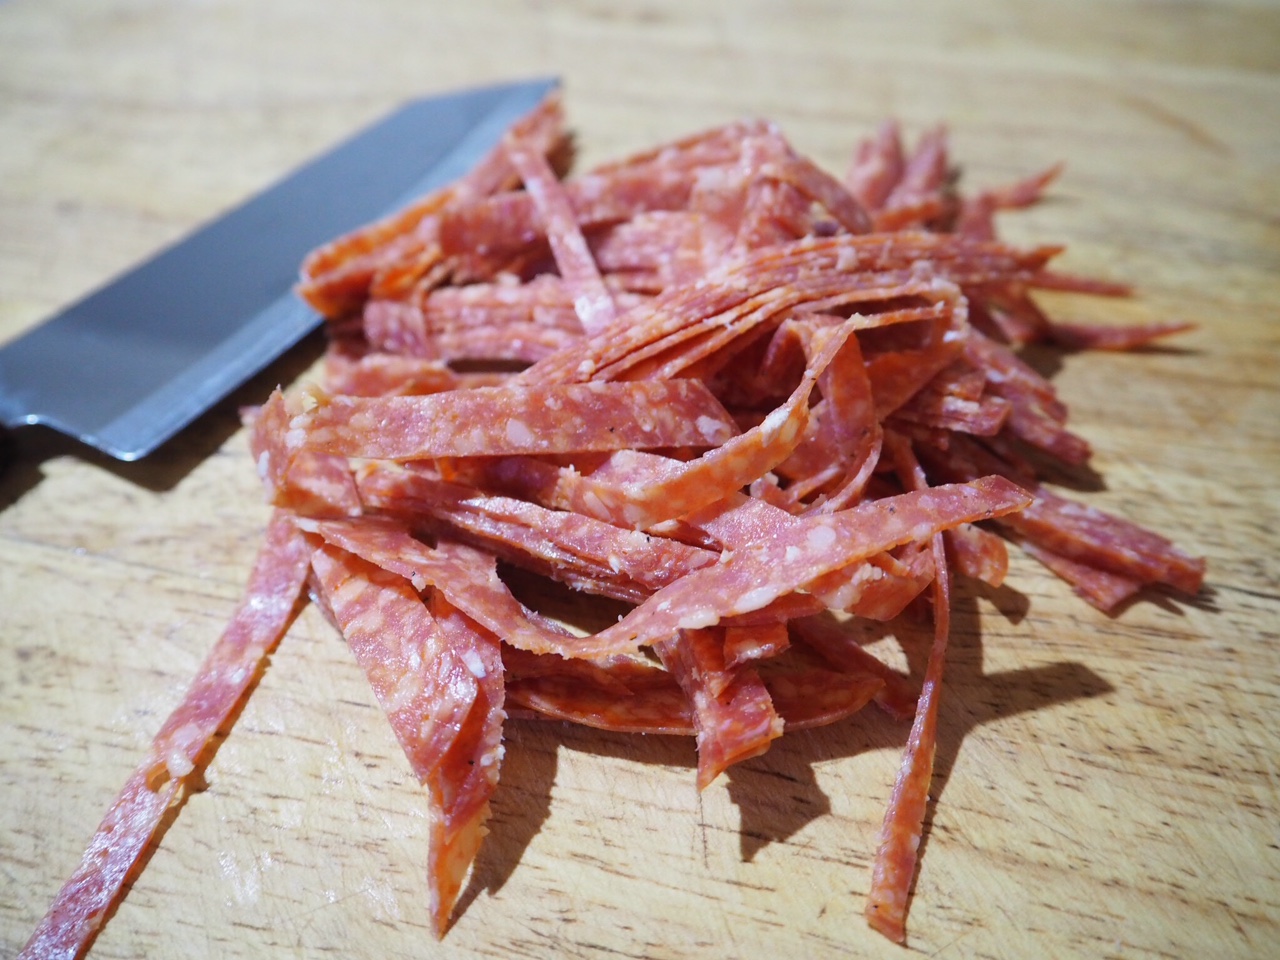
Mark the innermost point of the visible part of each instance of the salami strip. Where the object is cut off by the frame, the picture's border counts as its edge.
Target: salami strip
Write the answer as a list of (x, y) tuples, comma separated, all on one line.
[(309, 482), (977, 553), (687, 487), (1079, 336), (336, 278), (877, 167), (229, 670), (515, 420), (422, 684), (397, 326), (466, 779), (751, 578), (746, 644), (815, 698), (819, 273), (1101, 588), (896, 857), (841, 650), (733, 715), (464, 577), (579, 550), (849, 433), (662, 179), (1088, 535), (386, 374), (510, 223), (591, 301), (439, 681), (657, 705)]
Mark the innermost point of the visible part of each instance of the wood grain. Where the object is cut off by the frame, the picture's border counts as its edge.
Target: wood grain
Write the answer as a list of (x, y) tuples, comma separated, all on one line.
[(1106, 786)]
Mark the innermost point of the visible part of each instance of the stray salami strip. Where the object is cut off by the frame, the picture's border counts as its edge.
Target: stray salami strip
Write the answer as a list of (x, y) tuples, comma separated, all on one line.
[(644, 448), (896, 857), (231, 667)]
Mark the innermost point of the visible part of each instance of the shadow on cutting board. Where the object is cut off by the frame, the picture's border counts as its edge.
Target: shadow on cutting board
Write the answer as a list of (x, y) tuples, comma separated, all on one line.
[(970, 699), (777, 794)]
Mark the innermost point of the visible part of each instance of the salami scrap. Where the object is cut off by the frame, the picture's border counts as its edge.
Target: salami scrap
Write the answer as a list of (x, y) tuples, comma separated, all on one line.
[(744, 401)]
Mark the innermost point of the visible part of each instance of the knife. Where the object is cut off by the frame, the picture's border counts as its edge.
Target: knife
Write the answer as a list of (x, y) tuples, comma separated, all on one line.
[(130, 365)]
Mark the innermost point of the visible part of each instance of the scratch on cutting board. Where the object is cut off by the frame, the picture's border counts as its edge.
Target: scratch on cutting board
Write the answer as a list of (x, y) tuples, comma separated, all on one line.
[(1175, 121), (702, 833)]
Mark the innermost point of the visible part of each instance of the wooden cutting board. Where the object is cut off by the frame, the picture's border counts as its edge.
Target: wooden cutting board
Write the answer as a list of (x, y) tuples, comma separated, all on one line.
[(1106, 786)]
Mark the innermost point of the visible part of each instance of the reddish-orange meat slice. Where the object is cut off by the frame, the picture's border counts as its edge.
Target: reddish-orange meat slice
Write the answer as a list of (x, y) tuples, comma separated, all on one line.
[(229, 670), (492, 421)]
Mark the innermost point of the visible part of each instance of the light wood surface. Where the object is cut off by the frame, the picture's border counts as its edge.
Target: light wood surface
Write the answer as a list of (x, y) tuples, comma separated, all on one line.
[(1106, 786)]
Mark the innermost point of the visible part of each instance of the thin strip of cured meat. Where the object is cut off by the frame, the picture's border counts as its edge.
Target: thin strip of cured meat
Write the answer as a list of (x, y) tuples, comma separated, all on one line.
[(1091, 536), (464, 576), (1075, 283), (745, 644), (376, 374), (1101, 588), (439, 680), (977, 553), (810, 271), (733, 714), (1080, 336), (661, 179), (920, 198), (545, 299), (849, 433), (835, 644), (744, 582), (657, 249), (894, 867), (541, 310), (336, 277), (579, 550), (591, 300), (605, 672), (422, 684), (260, 619), (815, 697), (877, 166), (787, 166), (655, 703), (507, 420), (689, 486), (310, 482), (464, 783), (752, 577), (879, 587), (397, 326)]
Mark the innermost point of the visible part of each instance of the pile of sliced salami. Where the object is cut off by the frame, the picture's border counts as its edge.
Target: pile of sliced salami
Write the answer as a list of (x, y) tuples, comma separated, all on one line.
[(714, 386)]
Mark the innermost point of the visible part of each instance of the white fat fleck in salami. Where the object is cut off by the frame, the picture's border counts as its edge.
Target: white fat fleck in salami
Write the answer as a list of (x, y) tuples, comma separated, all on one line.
[(519, 434)]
